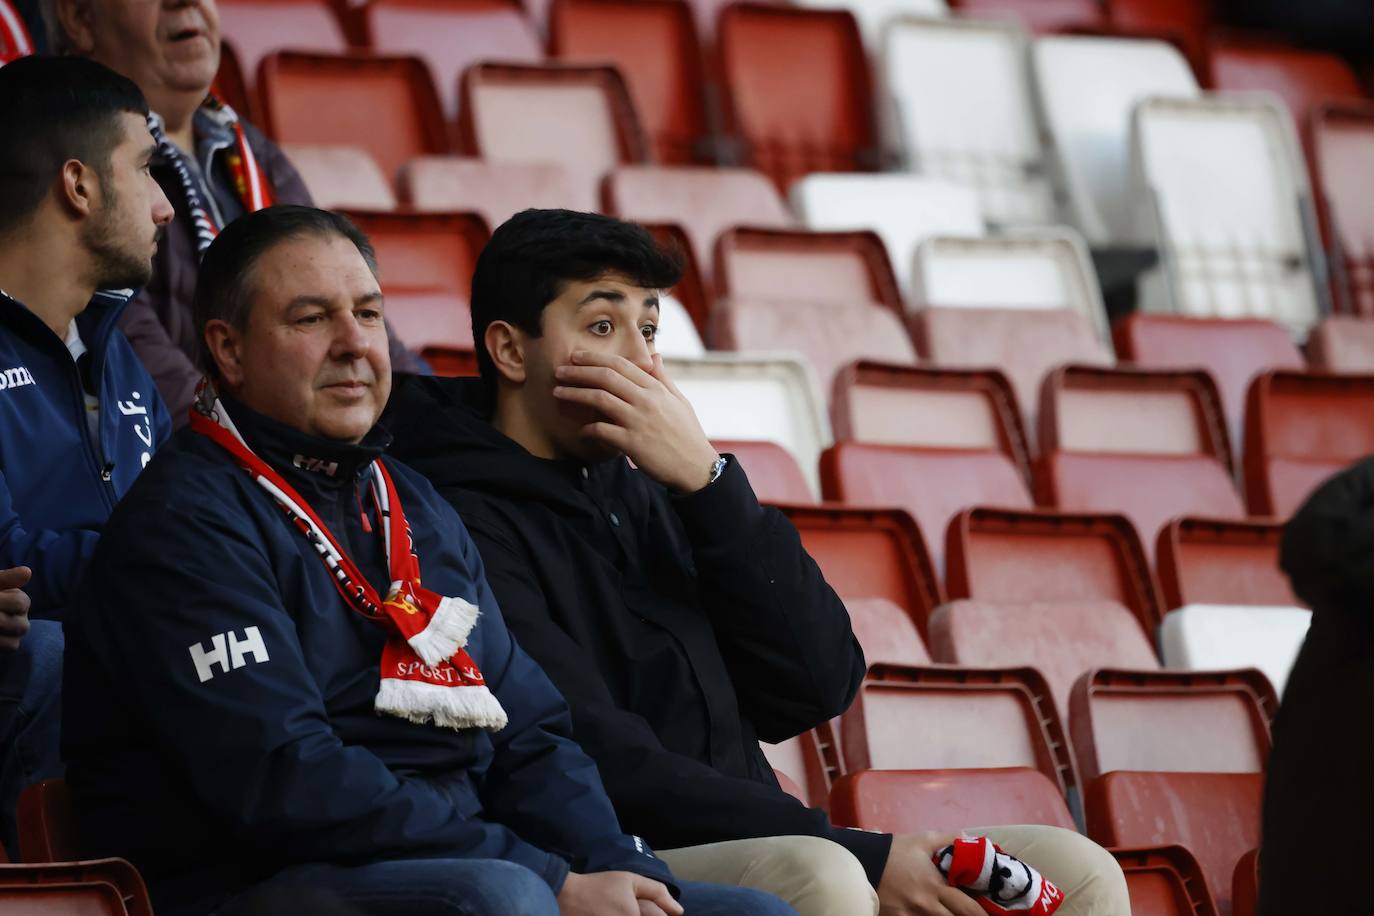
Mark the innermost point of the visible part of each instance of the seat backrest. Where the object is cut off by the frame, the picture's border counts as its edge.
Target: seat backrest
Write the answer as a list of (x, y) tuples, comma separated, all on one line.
[(1245, 885), (1215, 815), (1206, 561), (874, 15), (1165, 881), (810, 761), (703, 201), (386, 105), (1087, 87), (426, 262), (1215, 636), (968, 718), (886, 632), (773, 397), (1037, 16), (1062, 639), (999, 556), (960, 94), (1171, 721), (256, 28), (1233, 350), (341, 177), (830, 335), (871, 553), (579, 116), (1342, 144), (1300, 429), (1302, 79), (904, 210), (47, 826), (1049, 269), (797, 89), (677, 334), (654, 45), (497, 190), (801, 265), (1342, 343), (1023, 344), (887, 404), (1223, 191), (96, 887), (913, 801), (932, 484), (1185, 23), (451, 35), (771, 469)]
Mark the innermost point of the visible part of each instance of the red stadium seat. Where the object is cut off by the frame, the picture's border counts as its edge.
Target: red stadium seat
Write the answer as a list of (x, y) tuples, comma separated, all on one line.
[(1165, 881), (916, 801), (578, 116), (1342, 144), (1300, 429), (47, 826), (939, 718), (257, 28), (886, 404), (341, 177), (932, 484), (997, 555), (98, 887), (1303, 79), (451, 35), (690, 290), (1062, 639), (1233, 350), (1342, 343), (886, 632), (387, 105), (1024, 344), (1245, 885), (771, 469), (830, 335), (811, 760), (1215, 815), (1171, 721), (797, 90), (1038, 16), (704, 201), (497, 190), (793, 265), (1185, 23), (654, 44), (1203, 561), (426, 262), (871, 553)]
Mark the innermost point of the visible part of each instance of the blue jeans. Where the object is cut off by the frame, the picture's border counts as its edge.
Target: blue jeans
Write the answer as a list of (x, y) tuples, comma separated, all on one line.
[(455, 887), (30, 719)]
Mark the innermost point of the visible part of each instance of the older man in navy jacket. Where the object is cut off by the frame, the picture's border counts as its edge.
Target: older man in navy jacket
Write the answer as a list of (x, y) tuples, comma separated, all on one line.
[(79, 416), (287, 669)]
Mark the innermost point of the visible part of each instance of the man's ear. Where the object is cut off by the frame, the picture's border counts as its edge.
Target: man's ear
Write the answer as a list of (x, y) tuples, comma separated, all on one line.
[(75, 21), (78, 186), (226, 349), (506, 346)]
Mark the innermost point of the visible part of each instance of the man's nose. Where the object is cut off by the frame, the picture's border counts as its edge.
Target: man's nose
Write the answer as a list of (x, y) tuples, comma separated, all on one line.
[(350, 337), (162, 207)]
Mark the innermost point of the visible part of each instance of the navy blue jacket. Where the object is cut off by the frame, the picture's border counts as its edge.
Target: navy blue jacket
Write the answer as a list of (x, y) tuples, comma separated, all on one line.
[(210, 786), (58, 484)]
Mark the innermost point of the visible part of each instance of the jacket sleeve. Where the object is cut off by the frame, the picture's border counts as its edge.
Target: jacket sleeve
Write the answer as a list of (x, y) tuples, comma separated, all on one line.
[(173, 372), (784, 633), (57, 558), (200, 635), (654, 789), (541, 783)]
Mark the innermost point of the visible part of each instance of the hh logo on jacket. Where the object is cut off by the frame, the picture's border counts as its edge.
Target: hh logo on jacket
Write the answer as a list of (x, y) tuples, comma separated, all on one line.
[(227, 652)]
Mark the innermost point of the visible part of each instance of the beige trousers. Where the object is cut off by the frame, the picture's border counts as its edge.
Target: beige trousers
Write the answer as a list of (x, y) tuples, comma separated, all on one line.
[(821, 878)]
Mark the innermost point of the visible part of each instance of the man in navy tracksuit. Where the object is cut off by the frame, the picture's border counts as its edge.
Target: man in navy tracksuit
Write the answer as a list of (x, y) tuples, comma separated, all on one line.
[(286, 670), (79, 416)]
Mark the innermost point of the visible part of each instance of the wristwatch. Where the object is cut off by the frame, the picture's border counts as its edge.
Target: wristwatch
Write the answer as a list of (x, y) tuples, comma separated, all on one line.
[(717, 468)]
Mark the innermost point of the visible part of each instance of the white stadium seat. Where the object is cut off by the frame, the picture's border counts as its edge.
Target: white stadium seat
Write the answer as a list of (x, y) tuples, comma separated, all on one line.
[(874, 15), (341, 177), (903, 209), (961, 106), (1087, 88), (677, 335), (770, 397), (1221, 188), (1215, 636)]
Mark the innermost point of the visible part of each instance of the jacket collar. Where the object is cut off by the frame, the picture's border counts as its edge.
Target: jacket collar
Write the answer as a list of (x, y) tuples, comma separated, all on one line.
[(96, 322), (311, 464)]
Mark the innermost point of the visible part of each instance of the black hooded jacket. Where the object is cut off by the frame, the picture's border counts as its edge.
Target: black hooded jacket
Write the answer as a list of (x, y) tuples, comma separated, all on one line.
[(681, 630), (1318, 792)]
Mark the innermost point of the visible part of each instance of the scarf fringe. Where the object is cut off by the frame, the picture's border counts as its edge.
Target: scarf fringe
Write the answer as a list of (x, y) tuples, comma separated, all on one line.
[(446, 632), (472, 706)]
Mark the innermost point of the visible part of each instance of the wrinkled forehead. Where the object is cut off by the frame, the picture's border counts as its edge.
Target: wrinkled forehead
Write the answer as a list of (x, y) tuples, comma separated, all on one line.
[(315, 266)]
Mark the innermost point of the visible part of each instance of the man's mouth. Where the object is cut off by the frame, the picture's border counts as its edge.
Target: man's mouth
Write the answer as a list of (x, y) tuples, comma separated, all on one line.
[(186, 34)]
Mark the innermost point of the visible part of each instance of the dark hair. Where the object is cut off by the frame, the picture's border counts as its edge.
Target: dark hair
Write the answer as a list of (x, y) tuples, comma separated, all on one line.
[(52, 110), (224, 288), (535, 253)]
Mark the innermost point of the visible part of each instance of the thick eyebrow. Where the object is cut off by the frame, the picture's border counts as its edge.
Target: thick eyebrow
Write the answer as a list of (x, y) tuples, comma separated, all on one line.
[(611, 295)]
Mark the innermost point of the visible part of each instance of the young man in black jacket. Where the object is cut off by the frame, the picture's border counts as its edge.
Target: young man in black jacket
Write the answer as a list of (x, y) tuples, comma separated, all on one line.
[(682, 620)]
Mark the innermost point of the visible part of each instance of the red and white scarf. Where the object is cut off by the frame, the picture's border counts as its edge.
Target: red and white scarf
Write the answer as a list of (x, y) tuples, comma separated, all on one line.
[(426, 675), (14, 37)]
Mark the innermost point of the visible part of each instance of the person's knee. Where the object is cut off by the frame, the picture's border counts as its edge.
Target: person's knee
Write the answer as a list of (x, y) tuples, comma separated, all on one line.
[(511, 890), (1099, 888), (819, 876)]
